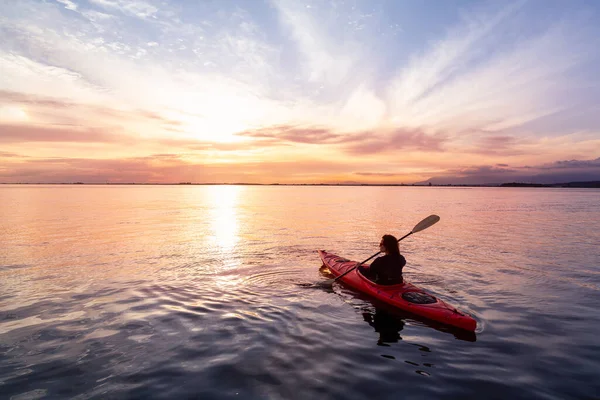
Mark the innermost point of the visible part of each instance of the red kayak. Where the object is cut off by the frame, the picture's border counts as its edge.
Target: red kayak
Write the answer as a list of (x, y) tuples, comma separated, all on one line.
[(404, 296)]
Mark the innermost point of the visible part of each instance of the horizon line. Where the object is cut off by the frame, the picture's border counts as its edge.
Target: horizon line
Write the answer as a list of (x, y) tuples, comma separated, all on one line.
[(588, 184)]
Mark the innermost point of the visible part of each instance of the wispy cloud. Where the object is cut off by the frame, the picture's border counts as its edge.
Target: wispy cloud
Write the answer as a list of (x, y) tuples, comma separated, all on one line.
[(137, 8), (482, 77), (163, 168), (6, 154), (354, 143), (325, 60), (69, 5), (28, 133)]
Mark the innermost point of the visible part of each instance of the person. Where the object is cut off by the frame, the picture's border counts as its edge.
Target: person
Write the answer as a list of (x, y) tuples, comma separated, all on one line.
[(387, 269)]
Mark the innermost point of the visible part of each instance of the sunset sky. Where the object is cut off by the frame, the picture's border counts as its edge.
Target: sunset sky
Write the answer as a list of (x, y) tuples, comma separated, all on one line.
[(296, 91)]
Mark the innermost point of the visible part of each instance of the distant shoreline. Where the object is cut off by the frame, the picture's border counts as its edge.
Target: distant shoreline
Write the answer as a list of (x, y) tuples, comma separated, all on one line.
[(587, 184)]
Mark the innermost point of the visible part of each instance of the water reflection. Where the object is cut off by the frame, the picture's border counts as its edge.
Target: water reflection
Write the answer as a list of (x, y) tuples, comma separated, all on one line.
[(386, 324)]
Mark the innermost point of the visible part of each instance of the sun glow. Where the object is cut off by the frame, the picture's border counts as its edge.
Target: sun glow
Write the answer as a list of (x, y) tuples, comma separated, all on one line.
[(13, 114), (216, 131), (211, 128)]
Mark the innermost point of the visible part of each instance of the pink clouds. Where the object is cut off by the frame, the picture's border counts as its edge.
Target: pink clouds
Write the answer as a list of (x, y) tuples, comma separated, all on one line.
[(354, 143), (159, 168), (173, 168), (74, 134), (53, 112)]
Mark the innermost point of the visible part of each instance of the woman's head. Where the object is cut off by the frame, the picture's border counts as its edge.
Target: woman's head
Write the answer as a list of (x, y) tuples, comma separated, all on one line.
[(389, 244)]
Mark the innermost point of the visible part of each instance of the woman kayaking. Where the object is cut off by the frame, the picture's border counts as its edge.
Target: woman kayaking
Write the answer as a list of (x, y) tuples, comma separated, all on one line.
[(387, 269)]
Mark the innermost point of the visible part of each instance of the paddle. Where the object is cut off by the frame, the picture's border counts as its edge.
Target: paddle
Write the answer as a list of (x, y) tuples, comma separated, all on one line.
[(424, 224)]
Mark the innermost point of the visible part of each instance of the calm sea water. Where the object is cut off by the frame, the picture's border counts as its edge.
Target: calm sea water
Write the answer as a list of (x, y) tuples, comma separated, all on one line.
[(201, 291)]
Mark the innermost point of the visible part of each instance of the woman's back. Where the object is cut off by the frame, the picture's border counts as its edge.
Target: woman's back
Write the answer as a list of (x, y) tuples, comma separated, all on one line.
[(387, 270)]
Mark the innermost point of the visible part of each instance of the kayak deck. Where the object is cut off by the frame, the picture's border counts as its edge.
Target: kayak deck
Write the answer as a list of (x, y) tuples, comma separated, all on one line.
[(405, 296)]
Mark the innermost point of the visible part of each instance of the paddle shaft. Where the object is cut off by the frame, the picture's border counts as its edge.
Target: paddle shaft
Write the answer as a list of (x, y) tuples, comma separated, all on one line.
[(362, 262)]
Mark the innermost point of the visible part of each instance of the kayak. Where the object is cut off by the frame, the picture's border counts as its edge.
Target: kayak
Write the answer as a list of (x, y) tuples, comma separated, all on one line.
[(404, 296)]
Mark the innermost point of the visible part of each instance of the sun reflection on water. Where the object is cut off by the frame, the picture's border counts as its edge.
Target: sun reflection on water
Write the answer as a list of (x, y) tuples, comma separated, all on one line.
[(224, 216)]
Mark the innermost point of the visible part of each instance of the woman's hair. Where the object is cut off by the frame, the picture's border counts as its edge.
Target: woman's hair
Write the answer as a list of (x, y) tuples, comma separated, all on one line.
[(391, 244)]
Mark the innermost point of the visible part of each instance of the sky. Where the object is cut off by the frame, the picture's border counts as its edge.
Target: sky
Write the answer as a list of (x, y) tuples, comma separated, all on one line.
[(292, 91)]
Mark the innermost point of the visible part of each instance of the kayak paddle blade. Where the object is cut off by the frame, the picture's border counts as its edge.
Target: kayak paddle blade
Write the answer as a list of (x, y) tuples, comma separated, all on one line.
[(426, 223)]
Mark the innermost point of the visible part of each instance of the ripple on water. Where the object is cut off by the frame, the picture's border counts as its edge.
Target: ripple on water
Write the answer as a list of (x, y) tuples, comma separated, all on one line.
[(123, 340)]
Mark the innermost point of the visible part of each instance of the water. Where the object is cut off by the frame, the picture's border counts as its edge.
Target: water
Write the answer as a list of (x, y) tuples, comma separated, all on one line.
[(200, 291)]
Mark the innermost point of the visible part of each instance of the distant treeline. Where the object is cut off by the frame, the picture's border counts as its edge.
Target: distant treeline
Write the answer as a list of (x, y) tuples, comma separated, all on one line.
[(592, 184)]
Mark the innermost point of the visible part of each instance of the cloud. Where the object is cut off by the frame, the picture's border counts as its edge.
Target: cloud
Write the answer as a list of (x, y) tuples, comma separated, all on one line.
[(38, 111), (108, 64), (24, 75), (137, 8), (6, 154), (550, 173), (399, 139), (210, 146), (324, 60), (287, 133), (354, 143), (482, 77), (379, 174), (178, 167), (163, 168), (58, 170), (486, 170), (498, 145), (572, 164), (444, 61), (24, 134), (69, 5)]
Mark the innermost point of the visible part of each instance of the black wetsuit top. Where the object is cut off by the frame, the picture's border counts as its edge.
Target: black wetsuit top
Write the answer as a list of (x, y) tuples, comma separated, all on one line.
[(385, 270)]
